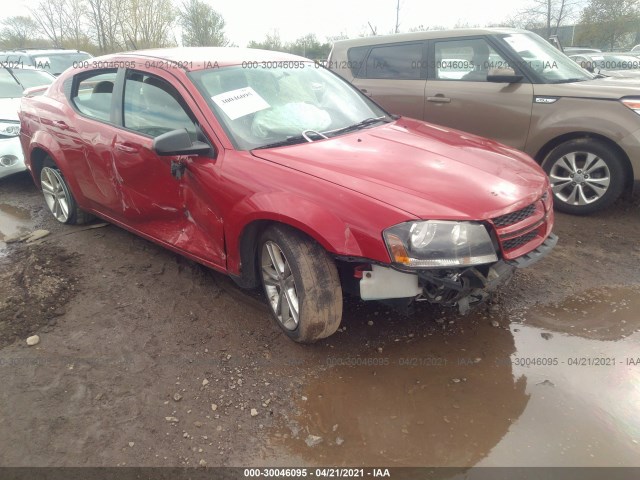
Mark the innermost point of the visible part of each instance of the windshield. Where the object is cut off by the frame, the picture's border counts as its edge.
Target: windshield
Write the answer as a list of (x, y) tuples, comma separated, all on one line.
[(548, 63), (56, 63), (32, 78), (9, 88), (261, 107)]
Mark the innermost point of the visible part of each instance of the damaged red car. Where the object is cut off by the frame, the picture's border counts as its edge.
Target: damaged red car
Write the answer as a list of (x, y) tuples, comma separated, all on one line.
[(275, 171)]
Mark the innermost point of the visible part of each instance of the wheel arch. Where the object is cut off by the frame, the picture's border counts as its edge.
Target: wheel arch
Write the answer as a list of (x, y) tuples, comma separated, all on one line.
[(626, 162), (314, 221), (246, 275), (37, 157)]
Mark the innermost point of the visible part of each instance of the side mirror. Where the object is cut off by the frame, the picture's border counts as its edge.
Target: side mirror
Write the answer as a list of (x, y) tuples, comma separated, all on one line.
[(503, 75), (178, 142)]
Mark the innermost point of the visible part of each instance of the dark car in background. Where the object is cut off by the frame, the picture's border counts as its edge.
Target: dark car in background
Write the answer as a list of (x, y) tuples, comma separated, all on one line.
[(52, 60)]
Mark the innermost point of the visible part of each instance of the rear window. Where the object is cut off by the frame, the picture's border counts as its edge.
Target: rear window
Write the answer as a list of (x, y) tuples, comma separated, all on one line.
[(56, 63), (355, 59), (92, 94), (397, 62)]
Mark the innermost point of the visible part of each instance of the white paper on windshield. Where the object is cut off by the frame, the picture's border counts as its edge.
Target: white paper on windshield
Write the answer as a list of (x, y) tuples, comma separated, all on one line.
[(240, 102)]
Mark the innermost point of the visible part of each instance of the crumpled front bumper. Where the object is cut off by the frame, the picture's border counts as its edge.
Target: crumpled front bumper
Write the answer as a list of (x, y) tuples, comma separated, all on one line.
[(464, 288)]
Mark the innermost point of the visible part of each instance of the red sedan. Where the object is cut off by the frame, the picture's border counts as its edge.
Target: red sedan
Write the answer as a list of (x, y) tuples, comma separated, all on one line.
[(272, 169)]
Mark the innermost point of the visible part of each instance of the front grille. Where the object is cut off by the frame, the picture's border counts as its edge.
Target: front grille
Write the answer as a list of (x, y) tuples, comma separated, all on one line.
[(514, 243), (515, 217)]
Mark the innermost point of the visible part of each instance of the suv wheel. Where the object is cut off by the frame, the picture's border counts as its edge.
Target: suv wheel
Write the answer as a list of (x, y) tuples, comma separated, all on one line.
[(586, 176), (58, 196), (301, 283)]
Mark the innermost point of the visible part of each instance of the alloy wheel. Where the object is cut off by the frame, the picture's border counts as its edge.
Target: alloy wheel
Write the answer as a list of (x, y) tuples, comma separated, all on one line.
[(55, 193), (280, 285), (579, 178)]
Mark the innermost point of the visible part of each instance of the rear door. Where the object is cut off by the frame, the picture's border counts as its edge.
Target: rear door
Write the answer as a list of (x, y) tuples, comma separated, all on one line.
[(88, 134), (394, 76), (458, 95)]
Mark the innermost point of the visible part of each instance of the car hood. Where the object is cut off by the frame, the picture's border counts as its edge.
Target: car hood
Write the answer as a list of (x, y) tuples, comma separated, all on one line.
[(635, 74), (9, 108), (610, 88), (425, 170)]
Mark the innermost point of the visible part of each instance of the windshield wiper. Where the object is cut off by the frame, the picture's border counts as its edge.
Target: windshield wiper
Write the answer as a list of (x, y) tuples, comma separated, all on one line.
[(287, 141), (364, 123)]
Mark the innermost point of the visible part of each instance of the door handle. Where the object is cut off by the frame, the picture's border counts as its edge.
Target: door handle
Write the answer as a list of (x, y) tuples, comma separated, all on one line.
[(126, 148), (60, 124), (364, 90), (439, 99)]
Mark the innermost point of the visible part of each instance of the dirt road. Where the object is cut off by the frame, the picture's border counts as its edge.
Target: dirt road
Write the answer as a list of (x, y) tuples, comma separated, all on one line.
[(148, 359)]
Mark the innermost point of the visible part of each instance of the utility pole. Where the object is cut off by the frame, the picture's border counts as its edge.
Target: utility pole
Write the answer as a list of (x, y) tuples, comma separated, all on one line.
[(398, 16)]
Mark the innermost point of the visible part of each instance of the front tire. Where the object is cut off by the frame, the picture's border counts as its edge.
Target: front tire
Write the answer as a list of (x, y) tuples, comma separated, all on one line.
[(58, 196), (586, 176), (301, 284)]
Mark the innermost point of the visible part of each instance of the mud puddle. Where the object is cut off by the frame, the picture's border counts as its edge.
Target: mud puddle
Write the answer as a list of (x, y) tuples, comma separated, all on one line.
[(13, 221), (541, 393)]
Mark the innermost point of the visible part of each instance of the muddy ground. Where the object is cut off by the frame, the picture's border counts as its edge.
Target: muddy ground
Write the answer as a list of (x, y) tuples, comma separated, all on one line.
[(148, 359)]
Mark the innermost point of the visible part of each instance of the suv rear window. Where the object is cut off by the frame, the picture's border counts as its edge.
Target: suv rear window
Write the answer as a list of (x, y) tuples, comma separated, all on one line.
[(398, 62), (355, 59)]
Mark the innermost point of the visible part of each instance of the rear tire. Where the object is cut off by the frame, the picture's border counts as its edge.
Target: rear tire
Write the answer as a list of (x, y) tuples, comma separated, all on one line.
[(586, 176), (58, 196), (301, 283)]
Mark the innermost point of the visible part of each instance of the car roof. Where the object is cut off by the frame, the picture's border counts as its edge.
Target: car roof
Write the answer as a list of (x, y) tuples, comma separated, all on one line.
[(408, 37), (197, 58)]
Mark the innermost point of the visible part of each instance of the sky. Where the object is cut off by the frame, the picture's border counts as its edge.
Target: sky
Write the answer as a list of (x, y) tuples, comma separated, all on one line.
[(252, 19)]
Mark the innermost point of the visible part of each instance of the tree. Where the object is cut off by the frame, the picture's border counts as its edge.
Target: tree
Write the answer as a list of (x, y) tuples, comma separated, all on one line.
[(271, 42), (105, 18), (147, 23), (201, 25), (545, 14), (17, 32), (610, 24), (309, 46), (74, 23), (50, 16)]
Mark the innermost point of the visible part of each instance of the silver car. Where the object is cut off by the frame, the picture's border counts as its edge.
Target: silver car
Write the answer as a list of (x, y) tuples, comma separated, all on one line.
[(13, 82)]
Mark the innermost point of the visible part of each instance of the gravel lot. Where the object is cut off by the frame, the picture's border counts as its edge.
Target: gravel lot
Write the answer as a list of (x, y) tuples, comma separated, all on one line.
[(148, 359)]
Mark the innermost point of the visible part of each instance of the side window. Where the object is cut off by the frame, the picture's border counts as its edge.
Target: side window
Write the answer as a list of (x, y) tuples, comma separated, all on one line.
[(355, 59), (467, 60), (398, 62), (153, 107), (93, 92)]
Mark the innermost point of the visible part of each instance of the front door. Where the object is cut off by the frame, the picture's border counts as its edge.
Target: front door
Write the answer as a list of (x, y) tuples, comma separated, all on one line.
[(155, 199), (458, 95)]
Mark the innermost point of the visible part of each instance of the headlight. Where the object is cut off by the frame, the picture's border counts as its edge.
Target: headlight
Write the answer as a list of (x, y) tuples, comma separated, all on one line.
[(632, 103), (439, 244), (9, 129)]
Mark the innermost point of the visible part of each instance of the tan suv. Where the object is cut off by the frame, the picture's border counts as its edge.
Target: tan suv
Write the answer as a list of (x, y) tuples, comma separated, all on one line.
[(512, 86)]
